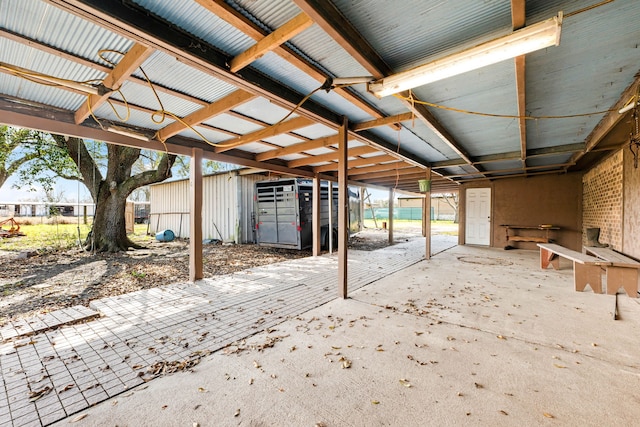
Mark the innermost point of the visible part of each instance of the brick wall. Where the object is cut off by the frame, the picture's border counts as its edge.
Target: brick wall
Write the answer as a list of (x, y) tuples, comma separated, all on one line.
[(602, 200)]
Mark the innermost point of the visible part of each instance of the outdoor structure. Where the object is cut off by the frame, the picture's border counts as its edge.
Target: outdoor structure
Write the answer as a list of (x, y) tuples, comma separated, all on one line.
[(524, 107), (45, 209), (227, 213), (440, 209), (284, 213)]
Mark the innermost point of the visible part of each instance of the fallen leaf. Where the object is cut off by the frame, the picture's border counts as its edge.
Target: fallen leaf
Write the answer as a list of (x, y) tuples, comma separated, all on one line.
[(559, 366), (478, 385), (250, 381), (405, 383), (67, 387), (375, 402), (237, 413), (196, 425), (548, 415), (256, 364), (202, 390), (500, 337), (79, 417), (164, 406), (503, 412)]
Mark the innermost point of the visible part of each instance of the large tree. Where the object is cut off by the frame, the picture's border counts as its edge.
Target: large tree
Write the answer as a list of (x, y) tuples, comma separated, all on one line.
[(109, 192)]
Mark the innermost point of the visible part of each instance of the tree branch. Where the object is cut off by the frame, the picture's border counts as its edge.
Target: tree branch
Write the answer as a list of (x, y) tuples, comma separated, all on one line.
[(149, 177), (89, 170)]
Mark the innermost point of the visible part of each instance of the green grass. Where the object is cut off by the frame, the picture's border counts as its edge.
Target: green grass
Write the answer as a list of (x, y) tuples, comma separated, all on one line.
[(398, 223), (53, 237)]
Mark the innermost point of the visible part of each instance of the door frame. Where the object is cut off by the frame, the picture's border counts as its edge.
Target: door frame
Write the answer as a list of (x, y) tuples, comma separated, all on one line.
[(466, 213)]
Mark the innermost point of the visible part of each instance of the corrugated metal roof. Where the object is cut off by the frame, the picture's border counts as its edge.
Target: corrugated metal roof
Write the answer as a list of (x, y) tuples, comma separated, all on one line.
[(410, 32), (197, 20), (596, 60)]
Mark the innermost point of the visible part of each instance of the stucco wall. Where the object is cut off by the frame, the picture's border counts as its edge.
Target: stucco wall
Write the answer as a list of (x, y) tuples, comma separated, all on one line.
[(546, 199)]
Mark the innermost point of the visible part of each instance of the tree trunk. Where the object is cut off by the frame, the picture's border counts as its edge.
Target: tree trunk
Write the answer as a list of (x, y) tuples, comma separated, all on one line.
[(108, 233), (110, 192)]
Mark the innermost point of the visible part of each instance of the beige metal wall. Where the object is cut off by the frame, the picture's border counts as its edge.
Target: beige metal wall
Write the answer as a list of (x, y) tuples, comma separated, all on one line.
[(226, 213)]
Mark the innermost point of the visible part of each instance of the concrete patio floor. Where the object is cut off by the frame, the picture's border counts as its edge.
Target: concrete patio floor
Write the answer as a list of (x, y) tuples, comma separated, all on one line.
[(57, 364), (474, 336)]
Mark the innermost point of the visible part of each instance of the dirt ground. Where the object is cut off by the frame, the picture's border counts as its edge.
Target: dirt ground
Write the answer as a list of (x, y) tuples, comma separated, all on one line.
[(56, 280)]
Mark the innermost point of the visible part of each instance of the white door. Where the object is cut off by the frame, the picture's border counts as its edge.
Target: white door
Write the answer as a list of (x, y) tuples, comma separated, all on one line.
[(478, 218)]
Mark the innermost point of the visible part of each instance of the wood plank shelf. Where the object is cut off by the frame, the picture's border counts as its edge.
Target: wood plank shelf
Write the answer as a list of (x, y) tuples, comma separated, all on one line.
[(512, 233)]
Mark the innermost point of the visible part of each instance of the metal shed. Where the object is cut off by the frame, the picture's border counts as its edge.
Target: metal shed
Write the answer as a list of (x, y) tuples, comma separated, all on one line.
[(227, 207)]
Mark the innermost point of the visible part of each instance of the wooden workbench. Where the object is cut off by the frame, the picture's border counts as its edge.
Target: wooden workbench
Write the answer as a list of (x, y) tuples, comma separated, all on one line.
[(527, 236)]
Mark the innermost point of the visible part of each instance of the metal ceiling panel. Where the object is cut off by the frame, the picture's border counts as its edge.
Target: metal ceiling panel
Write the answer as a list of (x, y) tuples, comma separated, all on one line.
[(211, 135), (196, 20), (412, 32), (256, 147), (561, 82), (410, 141), (290, 76), (283, 140), (549, 160), (315, 131), (55, 27), (233, 124), (168, 72), (263, 110), (272, 13), (489, 90), (24, 89)]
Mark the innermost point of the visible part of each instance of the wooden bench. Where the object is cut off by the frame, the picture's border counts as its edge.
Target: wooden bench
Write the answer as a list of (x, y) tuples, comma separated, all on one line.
[(587, 269), (623, 271)]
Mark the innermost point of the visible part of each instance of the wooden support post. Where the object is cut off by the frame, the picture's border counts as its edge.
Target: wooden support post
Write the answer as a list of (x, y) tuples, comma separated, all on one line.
[(195, 217), (316, 216), (427, 218), (424, 217), (391, 194), (331, 218), (343, 207)]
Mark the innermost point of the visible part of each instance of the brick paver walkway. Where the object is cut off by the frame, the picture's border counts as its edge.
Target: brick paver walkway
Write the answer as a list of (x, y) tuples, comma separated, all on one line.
[(53, 366)]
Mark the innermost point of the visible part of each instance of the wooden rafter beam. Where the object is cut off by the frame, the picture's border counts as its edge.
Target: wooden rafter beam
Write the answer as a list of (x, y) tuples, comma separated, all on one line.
[(329, 157), (382, 122), (518, 20), (268, 132), (395, 167), (392, 172), (233, 17), (356, 163), (281, 35), (225, 104), (298, 148), (121, 72)]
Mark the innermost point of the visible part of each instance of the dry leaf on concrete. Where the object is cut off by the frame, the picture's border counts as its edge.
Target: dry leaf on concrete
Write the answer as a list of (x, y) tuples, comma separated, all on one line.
[(78, 418), (405, 383)]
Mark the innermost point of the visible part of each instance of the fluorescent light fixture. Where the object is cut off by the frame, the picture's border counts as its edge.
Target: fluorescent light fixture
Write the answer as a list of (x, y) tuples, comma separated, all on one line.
[(126, 132), (523, 41)]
